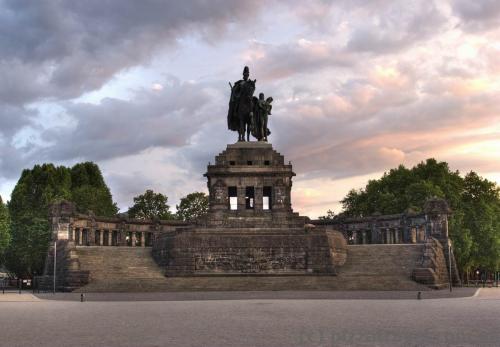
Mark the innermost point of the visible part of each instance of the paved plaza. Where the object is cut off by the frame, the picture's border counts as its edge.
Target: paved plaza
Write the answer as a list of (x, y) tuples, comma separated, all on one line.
[(253, 319)]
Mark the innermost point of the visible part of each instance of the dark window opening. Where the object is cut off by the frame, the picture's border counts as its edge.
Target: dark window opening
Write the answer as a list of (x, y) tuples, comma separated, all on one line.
[(232, 162), (77, 236), (114, 238), (249, 162), (232, 193), (350, 238), (149, 239), (368, 237), (266, 162), (249, 197), (266, 198), (97, 238), (85, 237), (138, 239), (105, 238)]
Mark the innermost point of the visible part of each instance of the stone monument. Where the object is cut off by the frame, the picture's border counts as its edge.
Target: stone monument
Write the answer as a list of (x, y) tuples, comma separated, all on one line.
[(250, 227)]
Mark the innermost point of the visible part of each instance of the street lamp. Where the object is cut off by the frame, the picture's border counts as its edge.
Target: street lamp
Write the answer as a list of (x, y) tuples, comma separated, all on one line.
[(55, 265), (449, 263)]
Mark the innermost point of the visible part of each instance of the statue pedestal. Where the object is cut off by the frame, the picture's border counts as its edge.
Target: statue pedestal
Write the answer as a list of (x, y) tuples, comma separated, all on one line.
[(250, 228)]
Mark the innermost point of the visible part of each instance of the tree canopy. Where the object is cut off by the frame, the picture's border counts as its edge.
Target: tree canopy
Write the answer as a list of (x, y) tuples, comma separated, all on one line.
[(36, 189), (4, 230), (192, 206), (475, 202), (90, 192), (150, 205)]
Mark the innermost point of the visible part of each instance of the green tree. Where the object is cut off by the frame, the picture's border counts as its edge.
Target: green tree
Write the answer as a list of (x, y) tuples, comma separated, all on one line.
[(475, 223), (192, 206), (4, 230), (28, 208), (90, 192), (150, 205), (330, 215), (30, 200)]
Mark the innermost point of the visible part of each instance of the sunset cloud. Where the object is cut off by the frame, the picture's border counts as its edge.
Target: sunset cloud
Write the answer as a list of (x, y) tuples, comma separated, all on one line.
[(142, 88)]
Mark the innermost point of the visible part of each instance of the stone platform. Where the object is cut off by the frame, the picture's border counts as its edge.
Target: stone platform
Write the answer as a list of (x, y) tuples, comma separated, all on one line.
[(250, 228)]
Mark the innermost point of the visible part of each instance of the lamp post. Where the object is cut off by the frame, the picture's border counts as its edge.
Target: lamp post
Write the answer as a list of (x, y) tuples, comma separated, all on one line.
[(449, 263), (55, 265)]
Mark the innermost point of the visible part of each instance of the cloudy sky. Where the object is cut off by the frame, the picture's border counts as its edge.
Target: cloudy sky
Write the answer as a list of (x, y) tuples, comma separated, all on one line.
[(141, 88)]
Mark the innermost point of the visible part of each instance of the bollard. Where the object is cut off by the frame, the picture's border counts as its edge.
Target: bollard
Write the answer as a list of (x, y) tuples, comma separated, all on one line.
[(82, 298), (419, 295)]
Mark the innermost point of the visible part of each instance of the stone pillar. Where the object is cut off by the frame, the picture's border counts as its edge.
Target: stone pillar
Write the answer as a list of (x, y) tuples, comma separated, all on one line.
[(413, 235), (388, 235), (396, 235), (258, 192), (101, 238), (143, 239), (363, 237), (241, 198), (134, 239)]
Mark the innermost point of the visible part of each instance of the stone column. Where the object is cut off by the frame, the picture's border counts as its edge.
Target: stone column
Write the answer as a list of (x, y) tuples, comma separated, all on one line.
[(241, 198), (354, 237), (258, 193), (134, 239), (388, 235), (143, 239), (363, 237)]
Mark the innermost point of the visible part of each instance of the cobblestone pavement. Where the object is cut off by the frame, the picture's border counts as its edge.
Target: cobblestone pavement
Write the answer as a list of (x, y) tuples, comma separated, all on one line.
[(459, 321)]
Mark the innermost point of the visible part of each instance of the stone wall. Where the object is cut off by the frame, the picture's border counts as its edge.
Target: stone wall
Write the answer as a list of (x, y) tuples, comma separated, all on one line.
[(432, 269), (215, 253), (69, 276)]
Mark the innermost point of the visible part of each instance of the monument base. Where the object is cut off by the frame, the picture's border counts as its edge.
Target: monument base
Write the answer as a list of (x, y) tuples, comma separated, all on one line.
[(209, 253)]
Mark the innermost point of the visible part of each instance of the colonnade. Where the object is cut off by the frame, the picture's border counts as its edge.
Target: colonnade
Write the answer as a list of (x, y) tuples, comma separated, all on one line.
[(105, 237), (385, 235)]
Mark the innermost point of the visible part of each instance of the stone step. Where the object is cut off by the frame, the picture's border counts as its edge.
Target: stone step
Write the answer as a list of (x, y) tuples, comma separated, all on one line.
[(118, 268), (380, 267)]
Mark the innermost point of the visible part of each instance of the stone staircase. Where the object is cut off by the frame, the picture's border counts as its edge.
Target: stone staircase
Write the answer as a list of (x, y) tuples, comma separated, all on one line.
[(120, 269), (368, 267), (380, 267)]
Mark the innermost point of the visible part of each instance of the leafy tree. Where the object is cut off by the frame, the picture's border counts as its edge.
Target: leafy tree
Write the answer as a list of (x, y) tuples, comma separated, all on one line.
[(330, 215), (4, 230), (475, 223), (30, 200), (30, 233), (90, 192), (28, 248), (192, 206), (150, 205)]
